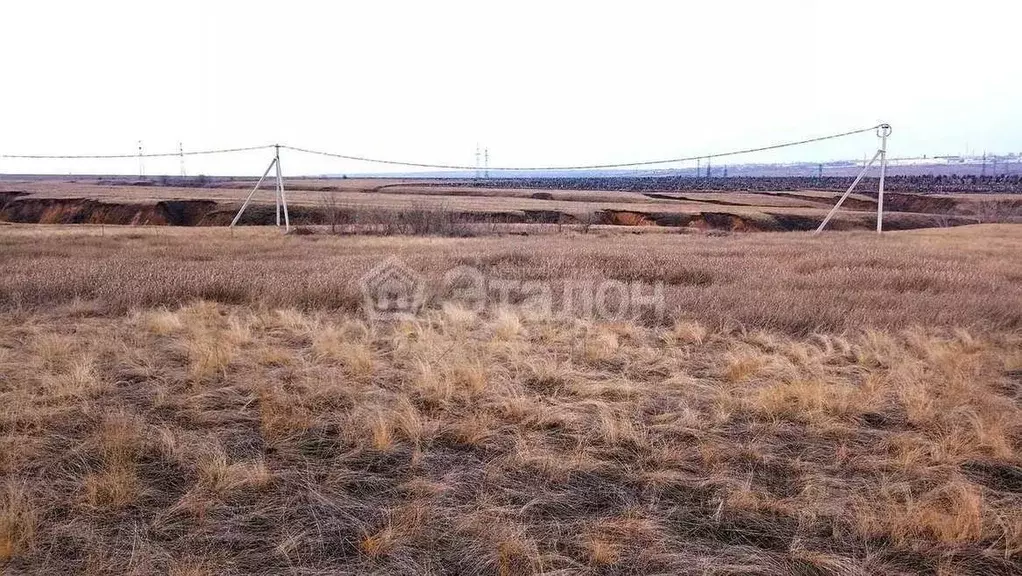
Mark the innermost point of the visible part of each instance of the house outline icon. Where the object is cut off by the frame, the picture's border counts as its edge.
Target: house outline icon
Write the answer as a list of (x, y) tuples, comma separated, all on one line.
[(391, 287)]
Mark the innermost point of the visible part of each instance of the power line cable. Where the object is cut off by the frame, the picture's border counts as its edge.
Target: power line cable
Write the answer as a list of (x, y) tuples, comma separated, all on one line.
[(180, 153), (588, 166), (123, 156)]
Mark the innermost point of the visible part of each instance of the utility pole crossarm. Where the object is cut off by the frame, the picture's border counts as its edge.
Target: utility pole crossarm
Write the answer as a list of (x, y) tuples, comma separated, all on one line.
[(278, 191), (883, 131)]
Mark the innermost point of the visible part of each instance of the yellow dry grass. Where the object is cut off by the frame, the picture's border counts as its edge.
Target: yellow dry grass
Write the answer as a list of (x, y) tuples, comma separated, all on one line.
[(175, 424)]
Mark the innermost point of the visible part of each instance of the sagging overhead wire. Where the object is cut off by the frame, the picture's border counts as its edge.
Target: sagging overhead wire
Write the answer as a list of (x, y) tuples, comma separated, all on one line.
[(587, 166), (449, 166), (122, 156)]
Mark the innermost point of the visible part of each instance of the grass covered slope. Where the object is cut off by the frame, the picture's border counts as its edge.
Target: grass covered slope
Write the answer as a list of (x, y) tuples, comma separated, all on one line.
[(209, 404)]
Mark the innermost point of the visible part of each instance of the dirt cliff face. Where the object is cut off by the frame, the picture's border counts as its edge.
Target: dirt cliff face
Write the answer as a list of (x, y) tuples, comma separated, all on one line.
[(186, 212), (623, 218), (79, 211), (905, 211), (84, 211), (919, 203), (9, 196)]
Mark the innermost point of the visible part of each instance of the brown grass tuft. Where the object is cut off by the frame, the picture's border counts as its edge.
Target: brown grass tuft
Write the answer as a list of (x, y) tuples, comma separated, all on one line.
[(602, 552), (118, 441), (506, 324), (952, 513), (379, 543), (689, 332), (208, 355), (79, 378), (113, 488), (19, 520), (742, 365), (282, 415), (161, 321), (217, 475)]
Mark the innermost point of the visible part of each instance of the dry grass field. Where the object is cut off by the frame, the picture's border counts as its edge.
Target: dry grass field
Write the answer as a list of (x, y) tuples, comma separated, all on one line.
[(189, 401)]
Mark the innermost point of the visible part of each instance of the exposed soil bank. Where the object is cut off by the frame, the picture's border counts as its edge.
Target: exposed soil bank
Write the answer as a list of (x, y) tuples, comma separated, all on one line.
[(81, 211), (922, 204), (16, 208)]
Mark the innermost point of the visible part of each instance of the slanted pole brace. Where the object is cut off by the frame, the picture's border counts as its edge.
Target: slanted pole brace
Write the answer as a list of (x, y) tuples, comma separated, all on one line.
[(883, 131), (252, 193)]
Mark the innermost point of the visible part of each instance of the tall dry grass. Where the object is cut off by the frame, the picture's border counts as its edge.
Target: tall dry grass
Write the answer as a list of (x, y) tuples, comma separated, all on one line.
[(969, 276), (145, 428)]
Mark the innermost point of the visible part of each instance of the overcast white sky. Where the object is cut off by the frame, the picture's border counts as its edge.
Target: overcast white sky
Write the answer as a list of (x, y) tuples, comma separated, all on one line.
[(539, 83)]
